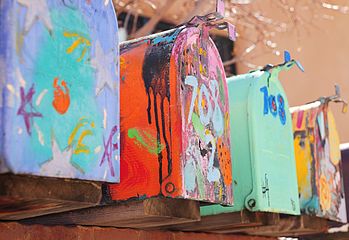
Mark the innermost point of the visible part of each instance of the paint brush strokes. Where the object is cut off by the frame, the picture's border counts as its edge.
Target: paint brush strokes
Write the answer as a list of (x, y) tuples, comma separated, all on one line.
[(175, 140), (317, 152), (64, 55)]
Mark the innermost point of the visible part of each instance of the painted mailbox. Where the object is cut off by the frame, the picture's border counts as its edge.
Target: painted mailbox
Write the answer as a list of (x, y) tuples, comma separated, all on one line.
[(264, 170), (59, 98), (318, 158), (175, 134)]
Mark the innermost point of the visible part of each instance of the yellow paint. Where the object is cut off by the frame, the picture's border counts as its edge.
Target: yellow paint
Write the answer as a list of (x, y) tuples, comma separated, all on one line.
[(325, 194), (82, 122), (303, 164), (79, 41), (202, 52), (80, 146), (335, 154)]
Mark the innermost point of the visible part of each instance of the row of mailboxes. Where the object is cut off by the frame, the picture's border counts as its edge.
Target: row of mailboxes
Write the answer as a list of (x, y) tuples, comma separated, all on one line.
[(183, 129)]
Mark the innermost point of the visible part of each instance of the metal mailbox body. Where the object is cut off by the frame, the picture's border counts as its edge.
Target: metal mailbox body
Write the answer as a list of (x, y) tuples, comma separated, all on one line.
[(59, 94), (318, 158), (264, 171), (175, 134)]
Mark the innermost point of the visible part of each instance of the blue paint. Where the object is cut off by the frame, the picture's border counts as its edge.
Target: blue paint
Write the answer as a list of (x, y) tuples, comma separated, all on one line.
[(264, 90), (189, 180), (281, 110), (167, 38), (272, 105), (41, 56), (287, 56)]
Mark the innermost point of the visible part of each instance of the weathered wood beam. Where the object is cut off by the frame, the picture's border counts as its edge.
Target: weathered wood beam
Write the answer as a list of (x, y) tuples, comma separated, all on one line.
[(26, 196), (148, 213)]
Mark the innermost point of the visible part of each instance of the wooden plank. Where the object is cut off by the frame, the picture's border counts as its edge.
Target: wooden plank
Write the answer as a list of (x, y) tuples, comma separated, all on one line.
[(148, 213), (26, 196), (288, 226), (15, 231), (332, 236), (235, 220)]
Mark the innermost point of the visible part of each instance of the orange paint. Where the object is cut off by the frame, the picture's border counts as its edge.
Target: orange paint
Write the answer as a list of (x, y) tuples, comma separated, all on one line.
[(224, 161), (61, 99), (154, 98)]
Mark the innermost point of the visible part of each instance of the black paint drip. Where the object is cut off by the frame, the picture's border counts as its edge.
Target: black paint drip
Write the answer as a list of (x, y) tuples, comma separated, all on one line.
[(156, 74)]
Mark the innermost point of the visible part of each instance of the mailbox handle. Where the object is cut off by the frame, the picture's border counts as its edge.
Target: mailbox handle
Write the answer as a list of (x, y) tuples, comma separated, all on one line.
[(213, 20), (335, 98)]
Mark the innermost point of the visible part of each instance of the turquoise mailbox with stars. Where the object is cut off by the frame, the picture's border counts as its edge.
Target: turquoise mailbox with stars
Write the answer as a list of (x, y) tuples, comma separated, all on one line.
[(263, 162), (59, 95)]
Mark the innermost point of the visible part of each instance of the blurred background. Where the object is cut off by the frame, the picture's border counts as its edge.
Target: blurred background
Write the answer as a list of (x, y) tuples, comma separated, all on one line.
[(315, 32)]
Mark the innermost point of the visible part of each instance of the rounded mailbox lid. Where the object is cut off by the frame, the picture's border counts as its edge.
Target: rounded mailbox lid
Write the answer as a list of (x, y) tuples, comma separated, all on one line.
[(206, 152), (174, 120), (61, 100), (319, 165), (272, 151)]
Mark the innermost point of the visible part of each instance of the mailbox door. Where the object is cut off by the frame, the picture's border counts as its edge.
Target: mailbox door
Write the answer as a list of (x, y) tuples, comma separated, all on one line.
[(319, 164), (304, 121), (61, 100), (272, 151), (206, 155)]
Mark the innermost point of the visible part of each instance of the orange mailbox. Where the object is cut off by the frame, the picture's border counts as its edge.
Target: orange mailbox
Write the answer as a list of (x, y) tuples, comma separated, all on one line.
[(174, 119)]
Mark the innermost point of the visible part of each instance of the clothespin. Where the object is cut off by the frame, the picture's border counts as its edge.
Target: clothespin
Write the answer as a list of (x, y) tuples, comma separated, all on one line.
[(214, 20), (335, 98)]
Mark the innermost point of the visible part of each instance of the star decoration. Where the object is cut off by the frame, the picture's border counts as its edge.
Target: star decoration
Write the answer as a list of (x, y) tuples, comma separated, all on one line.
[(27, 102), (36, 10), (103, 64), (60, 164)]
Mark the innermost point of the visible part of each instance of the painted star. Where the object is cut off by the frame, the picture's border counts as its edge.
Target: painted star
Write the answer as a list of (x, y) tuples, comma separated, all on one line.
[(27, 104), (103, 64), (60, 164), (36, 10)]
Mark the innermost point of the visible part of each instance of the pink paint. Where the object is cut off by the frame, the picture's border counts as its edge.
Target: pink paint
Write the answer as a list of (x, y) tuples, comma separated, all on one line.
[(300, 119)]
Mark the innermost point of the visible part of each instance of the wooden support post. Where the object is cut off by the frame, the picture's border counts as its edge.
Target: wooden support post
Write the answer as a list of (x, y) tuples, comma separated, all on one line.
[(26, 196), (148, 213)]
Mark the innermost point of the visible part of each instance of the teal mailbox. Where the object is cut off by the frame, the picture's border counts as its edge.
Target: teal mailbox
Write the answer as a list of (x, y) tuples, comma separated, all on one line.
[(264, 169)]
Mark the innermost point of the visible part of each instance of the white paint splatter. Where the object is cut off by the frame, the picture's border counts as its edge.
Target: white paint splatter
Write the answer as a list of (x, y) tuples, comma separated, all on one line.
[(20, 78), (105, 118), (106, 2), (98, 149), (11, 88), (40, 97), (10, 97), (20, 131), (40, 135)]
